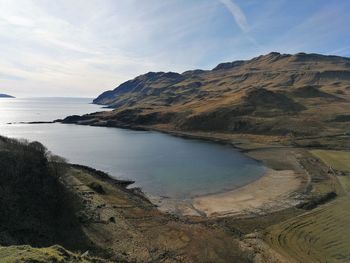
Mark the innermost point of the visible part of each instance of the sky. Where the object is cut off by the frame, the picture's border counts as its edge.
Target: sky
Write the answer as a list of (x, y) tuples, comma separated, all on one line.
[(84, 47)]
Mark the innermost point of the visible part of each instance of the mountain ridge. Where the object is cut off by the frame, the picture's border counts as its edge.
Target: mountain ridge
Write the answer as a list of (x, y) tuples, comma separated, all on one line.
[(275, 94)]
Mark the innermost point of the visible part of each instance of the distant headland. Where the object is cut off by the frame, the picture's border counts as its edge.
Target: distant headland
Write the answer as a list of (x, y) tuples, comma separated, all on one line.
[(6, 96)]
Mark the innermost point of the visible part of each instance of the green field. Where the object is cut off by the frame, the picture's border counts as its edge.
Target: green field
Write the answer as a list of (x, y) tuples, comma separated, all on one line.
[(339, 160)]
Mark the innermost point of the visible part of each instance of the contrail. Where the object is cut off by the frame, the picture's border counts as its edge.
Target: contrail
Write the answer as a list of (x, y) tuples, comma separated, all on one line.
[(237, 14)]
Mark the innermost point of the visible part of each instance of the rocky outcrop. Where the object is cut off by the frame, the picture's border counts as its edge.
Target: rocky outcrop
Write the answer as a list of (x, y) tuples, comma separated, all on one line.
[(229, 65), (140, 85)]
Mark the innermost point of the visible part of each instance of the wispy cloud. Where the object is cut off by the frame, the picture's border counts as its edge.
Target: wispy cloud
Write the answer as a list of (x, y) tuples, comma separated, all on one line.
[(85, 47), (240, 19), (81, 49), (237, 14)]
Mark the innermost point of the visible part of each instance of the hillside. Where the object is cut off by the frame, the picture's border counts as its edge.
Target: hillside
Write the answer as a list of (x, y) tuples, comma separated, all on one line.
[(33, 202), (36, 208), (51, 211), (273, 94)]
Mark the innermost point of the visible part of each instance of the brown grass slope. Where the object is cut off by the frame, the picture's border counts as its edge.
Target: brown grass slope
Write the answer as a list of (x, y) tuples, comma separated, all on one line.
[(274, 94)]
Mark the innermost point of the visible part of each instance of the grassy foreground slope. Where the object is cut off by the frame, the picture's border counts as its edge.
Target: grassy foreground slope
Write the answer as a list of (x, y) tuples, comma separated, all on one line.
[(57, 254), (323, 234)]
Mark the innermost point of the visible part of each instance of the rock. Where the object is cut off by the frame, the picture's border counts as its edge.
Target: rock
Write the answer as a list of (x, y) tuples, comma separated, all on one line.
[(97, 188)]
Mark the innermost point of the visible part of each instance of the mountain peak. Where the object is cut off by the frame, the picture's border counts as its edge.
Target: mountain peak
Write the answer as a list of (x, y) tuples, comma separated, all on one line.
[(229, 65), (273, 53), (271, 57)]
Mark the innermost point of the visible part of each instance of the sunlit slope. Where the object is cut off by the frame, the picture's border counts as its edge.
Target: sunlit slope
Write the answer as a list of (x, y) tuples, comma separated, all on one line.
[(280, 94)]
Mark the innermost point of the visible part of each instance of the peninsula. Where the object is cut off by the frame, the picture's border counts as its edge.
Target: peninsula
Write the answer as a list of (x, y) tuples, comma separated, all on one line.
[(5, 96)]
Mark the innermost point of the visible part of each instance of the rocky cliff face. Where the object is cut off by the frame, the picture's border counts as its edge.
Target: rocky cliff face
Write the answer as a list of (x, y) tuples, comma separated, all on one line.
[(142, 86), (270, 94)]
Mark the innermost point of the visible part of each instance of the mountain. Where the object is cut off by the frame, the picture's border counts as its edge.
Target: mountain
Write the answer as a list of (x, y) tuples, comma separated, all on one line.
[(5, 96), (273, 94)]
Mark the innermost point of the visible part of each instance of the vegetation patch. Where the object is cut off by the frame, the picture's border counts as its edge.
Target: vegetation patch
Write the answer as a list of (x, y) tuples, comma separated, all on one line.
[(57, 254), (36, 207), (316, 201), (338, 160)]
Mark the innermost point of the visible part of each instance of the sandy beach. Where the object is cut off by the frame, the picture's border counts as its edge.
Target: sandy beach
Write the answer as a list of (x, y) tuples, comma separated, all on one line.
[(273, 191)]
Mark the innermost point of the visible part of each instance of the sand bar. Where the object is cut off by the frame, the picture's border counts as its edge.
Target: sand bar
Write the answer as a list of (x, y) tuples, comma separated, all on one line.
[(273, 191)]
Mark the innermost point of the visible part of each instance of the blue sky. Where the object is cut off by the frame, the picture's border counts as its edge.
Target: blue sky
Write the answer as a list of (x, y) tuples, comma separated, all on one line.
[(83, 47)]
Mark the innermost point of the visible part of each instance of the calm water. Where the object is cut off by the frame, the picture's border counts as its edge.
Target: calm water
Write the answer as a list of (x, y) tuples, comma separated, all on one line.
[(161, 164), (43, 109)]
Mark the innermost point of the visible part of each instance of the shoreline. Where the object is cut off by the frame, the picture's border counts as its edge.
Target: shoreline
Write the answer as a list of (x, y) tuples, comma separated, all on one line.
[(215, 204), (209, 205), (272, 192), (203, 205)]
